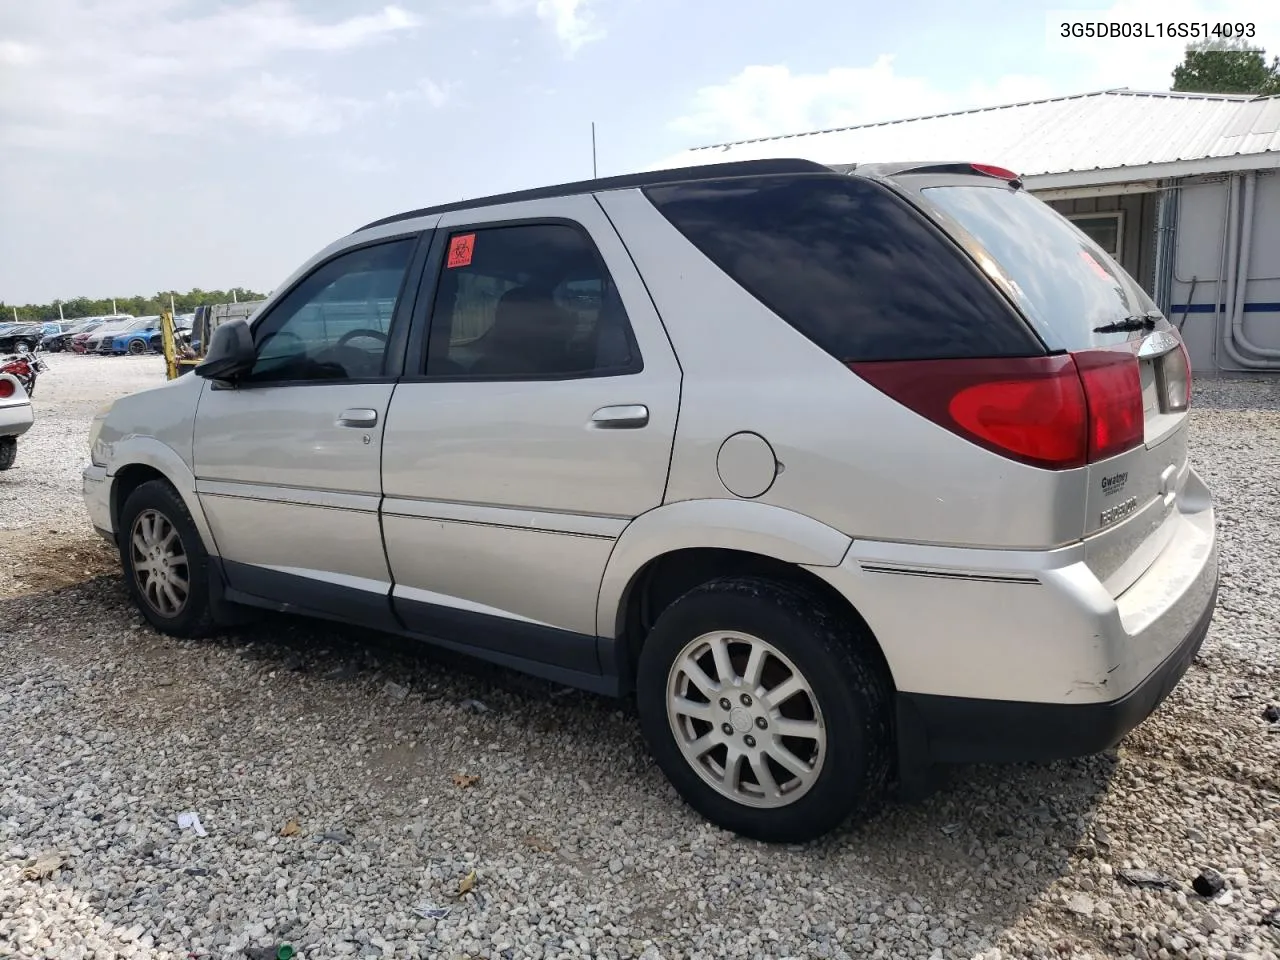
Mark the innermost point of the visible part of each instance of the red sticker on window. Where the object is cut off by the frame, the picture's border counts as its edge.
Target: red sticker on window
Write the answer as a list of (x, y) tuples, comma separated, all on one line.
[(460, 250)]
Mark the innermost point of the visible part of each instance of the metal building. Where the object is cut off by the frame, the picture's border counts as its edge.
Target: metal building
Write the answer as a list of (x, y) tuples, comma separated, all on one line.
[(1182, 188)]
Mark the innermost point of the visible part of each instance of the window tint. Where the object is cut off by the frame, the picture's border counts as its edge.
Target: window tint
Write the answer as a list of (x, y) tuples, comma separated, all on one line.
[(334, 324), (847, 263), (527, 301), (1061, 278)]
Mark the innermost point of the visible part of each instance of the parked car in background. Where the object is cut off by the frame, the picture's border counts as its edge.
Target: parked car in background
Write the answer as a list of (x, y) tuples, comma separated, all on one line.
[(134, 338), (16, 417), (841, 475), (58, 342), (20, 336), (91, 342)]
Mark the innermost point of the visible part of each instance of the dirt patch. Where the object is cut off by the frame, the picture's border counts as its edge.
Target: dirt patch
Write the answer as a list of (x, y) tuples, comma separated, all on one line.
[(36, 563)]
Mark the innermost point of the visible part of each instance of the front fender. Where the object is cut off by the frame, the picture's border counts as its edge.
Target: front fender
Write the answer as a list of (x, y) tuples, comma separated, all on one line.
[(150, 452), (747, 526)]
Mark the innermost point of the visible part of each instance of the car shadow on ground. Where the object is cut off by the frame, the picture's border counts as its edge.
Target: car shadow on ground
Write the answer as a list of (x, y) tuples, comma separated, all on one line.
[(988, 843)]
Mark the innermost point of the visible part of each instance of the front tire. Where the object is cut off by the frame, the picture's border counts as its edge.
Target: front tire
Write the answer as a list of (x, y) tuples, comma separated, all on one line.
[(766, 708), (165, 563), (8, 452), (137, 347)]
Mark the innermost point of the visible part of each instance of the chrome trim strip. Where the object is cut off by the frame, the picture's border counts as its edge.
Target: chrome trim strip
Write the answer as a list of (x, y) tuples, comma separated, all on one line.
[(512, 518), (299, 496), (950, 574)]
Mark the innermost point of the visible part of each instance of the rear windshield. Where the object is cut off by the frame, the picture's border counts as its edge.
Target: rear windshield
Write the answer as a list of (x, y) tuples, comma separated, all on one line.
[(1063, 281), (849, 264)]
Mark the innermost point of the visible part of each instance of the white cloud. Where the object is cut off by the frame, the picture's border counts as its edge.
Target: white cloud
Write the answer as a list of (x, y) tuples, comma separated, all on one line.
[(766, 101), (572, 21), (424, 91), (80, 71)]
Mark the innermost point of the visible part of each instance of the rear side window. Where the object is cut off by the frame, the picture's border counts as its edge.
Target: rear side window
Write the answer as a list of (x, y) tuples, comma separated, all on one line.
[(848, 264), (527, 302)]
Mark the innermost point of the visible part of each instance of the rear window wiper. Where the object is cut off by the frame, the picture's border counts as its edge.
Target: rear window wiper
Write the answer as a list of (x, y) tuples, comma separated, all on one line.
[(1146, 321)]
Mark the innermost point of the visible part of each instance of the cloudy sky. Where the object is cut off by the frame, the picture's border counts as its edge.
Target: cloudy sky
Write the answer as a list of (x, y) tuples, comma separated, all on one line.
[(155, 144)]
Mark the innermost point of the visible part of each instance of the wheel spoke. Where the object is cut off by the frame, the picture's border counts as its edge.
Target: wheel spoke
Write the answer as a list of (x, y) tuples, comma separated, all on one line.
[(140, 543), (807, 729), (733, 768), (784, 691), (698, 677), (789, 761), (179, 583), (760, 767), (724, 667), (168, 538), (691, 708), (755, 666), (708, 741)]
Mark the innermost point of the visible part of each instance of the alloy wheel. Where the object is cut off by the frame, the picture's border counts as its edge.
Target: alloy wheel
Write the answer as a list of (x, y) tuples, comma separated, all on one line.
[(160, 566), (746, 719)]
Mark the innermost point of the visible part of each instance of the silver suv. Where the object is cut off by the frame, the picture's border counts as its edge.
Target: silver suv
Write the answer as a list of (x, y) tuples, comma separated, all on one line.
[(842, 474)]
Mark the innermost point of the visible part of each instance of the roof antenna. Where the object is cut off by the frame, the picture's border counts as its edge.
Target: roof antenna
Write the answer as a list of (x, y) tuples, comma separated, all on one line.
[(594, 175)]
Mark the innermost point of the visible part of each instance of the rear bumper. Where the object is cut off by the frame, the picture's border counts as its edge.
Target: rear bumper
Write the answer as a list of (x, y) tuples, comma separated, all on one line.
[(1003, 655), (16, 417), (939, 729)]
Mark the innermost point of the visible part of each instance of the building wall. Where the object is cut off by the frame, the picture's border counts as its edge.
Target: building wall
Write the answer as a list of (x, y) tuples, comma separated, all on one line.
[(1198, 296), (1199, 287), (1137, 248)]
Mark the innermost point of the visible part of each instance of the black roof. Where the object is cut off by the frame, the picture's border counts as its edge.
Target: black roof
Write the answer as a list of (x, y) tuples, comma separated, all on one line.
[(709, 171)]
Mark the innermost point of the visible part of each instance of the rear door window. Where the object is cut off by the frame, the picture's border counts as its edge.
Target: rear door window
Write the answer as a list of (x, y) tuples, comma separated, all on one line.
[(850, 265), (1063, 280)]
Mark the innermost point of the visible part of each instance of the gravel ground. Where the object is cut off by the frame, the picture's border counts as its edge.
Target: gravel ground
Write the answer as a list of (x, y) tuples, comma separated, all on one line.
[(331, 771)]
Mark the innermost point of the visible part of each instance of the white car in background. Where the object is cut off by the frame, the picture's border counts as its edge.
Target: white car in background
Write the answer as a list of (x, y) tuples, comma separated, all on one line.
[(16, 417)]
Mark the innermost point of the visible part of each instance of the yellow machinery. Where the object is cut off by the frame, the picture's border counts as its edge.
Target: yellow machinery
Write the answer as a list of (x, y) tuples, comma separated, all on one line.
[(177, 361)]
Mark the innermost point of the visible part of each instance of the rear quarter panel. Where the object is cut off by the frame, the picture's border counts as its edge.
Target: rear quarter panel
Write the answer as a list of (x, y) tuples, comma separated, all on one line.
[(848, 455)]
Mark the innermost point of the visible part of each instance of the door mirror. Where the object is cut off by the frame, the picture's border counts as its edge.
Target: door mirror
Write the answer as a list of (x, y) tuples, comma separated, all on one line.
[(230, 352)]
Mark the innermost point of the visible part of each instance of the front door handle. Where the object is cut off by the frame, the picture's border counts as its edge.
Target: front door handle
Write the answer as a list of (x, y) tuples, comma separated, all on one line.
[(627, 416), (358, 418)]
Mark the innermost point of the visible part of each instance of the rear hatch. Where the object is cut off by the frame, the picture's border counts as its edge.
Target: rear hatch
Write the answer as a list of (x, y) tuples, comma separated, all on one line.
[(1081, 302)]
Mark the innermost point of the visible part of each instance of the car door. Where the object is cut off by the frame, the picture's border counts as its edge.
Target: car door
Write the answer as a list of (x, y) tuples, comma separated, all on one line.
[(287, 459), (534, 422)]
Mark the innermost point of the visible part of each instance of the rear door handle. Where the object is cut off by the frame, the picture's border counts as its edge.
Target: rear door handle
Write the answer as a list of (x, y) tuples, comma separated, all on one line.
[(627, 416), (358, 418)]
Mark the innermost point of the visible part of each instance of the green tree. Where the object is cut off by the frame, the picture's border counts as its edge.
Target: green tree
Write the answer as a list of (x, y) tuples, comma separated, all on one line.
[(138, 306), (1216, 67)]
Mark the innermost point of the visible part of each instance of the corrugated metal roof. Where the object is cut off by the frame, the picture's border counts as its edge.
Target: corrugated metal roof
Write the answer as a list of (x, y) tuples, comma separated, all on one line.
[(1109, 130)]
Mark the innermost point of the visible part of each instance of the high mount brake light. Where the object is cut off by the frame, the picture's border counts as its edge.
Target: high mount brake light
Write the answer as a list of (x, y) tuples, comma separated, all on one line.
[(1056, 413), (992, 171)]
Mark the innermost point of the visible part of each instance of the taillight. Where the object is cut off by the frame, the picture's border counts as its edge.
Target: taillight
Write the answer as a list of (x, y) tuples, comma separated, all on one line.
[(1057, 413), (1113, 388), (1175, 372), (6, 389)]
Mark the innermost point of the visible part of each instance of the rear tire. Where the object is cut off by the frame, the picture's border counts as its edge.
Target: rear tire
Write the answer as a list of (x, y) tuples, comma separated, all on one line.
[(787, 660), (8, 452), (166, 566)]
